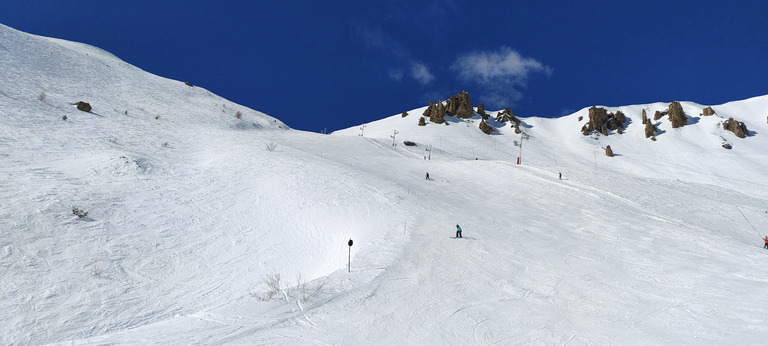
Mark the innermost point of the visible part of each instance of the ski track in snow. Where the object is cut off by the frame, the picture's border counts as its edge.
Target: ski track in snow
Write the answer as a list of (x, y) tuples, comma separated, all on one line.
[(190, 216)]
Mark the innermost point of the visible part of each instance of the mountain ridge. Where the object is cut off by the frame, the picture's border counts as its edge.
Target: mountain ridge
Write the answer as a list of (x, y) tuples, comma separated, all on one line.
[(197, 216)]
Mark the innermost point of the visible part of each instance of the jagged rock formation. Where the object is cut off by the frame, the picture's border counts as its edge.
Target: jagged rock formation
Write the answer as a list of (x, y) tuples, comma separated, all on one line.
[(602, 121), (486, 128), (506, 116), (460, 106), (608, 151), (645, 118), (481, 111), (83, 106), (517, 128), (405, 114), (409, 143), (676, 115), (435, 112), (650, 129), (737, 127), (708, 111), (422, 122), (727, 146)]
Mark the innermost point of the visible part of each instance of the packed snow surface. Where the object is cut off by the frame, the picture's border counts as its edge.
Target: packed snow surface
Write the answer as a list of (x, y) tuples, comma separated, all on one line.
[(211, 223)]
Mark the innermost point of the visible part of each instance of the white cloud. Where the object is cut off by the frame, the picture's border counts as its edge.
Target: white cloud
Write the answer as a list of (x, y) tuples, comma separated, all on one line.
[(396, 75), (421, 73), (503, 73)]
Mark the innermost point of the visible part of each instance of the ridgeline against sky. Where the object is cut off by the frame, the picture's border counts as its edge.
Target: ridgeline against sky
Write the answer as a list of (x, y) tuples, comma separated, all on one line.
[(335, 64)]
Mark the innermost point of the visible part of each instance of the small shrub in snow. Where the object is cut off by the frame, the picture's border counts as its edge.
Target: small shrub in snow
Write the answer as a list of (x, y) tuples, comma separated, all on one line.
[(302, 292), (41, 97), (271, 146), (79, 212), (239, 114), (64, 117), (307, 292), (274, 287), (97, 271)]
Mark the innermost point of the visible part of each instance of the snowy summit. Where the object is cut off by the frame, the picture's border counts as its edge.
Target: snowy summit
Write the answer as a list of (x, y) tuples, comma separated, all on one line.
[(160, 213)]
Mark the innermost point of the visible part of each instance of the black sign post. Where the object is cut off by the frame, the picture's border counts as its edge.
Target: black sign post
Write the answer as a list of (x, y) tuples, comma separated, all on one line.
[(349, 258)]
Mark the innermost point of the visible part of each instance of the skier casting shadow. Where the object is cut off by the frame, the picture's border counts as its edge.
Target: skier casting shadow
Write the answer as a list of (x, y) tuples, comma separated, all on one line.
[(458, 232)]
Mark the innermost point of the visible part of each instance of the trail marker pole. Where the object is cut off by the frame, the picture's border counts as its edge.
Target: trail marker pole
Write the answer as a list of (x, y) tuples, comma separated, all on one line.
[(349, 257), (393, 137), (523, 136)]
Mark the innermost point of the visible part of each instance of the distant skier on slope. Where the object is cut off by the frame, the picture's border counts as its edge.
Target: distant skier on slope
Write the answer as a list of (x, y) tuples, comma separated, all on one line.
[(427, 175), (458, 232), (766, 242)]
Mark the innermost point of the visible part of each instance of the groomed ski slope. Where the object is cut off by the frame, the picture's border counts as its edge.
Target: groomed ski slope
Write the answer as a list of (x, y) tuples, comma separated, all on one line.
[(651, 246)]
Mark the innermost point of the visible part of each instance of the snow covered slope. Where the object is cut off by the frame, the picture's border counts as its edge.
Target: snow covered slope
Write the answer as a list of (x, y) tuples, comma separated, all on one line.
[(194, 214)]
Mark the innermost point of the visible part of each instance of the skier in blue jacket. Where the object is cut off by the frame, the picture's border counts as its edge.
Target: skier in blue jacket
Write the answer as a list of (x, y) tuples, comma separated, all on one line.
[(458, 232)]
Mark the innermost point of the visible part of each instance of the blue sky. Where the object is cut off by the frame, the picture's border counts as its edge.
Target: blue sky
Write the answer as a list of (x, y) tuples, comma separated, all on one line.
[(334, 64)]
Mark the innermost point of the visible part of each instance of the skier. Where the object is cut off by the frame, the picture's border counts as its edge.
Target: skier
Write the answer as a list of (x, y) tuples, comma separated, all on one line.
[(561, 176), (458, 232), (427, 175), (766, 242)]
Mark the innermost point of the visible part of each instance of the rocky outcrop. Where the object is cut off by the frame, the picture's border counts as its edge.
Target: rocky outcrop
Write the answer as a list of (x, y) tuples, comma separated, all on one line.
[(602, 121), (422, 122), (619, 119), (658, 115), (486, 128), (435, 112), (676, 115), (737, 127), (83, 106), (645, 117), (506, 116), (517, 128), (460, 106), (608, 151), (650, 129), (405, 114), (727, 146), (481, 111), (707, 111)]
